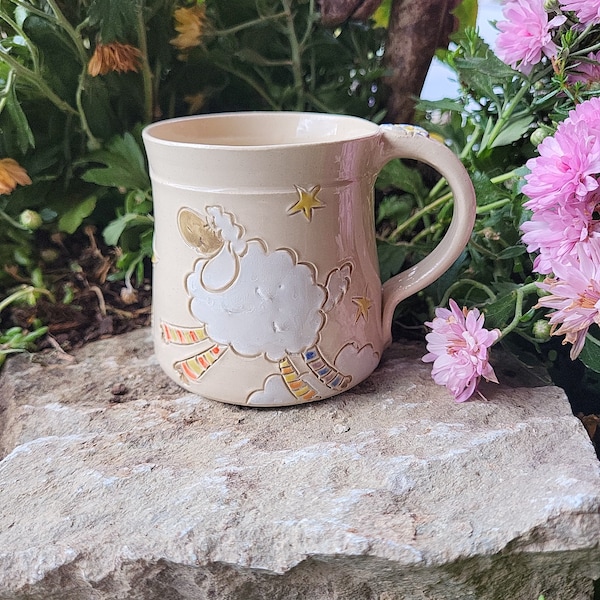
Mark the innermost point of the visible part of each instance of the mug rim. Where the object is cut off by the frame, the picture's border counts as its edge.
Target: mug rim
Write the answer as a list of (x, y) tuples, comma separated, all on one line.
[(356, 128)]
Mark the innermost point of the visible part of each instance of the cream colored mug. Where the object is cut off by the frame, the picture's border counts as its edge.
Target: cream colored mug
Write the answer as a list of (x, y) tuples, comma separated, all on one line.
[(266, 288)]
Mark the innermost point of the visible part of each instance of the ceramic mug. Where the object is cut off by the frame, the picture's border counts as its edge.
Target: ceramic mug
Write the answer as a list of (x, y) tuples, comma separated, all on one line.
[(266, 288)]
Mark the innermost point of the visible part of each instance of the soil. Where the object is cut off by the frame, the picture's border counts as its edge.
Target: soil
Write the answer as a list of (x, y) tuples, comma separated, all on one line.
[(88, 304)]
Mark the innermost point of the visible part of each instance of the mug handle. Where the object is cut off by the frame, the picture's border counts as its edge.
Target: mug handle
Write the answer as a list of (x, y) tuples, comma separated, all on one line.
[(408, 141)]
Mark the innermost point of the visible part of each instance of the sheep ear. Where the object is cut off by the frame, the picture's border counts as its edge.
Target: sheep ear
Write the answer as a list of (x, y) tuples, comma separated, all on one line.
[(197, 233)]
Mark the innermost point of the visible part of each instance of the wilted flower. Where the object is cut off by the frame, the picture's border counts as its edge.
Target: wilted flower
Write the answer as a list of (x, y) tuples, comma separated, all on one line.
[(11, 175), (114, 56), (189, 24), (458, 347), (525, 36), (575, 295)]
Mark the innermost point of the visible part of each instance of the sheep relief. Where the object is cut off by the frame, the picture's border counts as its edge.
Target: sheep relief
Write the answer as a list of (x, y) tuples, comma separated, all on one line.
[(268, 304)]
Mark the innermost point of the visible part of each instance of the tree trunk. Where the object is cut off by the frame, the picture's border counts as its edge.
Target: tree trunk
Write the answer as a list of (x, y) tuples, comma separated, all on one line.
[(335, 12), (416, 29)]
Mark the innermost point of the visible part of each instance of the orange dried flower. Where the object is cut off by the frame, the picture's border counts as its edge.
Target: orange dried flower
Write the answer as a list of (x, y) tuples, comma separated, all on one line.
[(190, 24), (114, 56), (12, 174)]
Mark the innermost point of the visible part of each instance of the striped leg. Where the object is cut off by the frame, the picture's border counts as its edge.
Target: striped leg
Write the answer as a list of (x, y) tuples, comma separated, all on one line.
[(182, 335), (193, 368), (325, 372), (297, 386)]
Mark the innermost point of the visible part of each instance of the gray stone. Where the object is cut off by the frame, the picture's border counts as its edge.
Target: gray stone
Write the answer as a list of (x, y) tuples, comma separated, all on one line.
[(117, 484)]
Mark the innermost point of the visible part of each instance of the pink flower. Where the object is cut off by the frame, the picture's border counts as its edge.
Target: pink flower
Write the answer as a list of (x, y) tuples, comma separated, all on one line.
[(587, 71), (562, 232), (458, 348), (587, 11), (575, 295), (567, 165), (587, 112), (525, 34)]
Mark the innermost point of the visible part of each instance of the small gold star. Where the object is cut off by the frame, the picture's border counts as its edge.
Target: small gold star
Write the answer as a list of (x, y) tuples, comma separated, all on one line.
[(308, 201), (363, 305)]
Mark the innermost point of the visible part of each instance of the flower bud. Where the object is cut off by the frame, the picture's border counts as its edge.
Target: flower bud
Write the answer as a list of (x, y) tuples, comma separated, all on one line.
[(30, 219), (542, 330), (538, 136), (551, 5)]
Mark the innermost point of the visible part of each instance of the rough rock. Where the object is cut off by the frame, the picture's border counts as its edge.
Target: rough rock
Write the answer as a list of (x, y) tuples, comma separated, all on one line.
[(117, 484)]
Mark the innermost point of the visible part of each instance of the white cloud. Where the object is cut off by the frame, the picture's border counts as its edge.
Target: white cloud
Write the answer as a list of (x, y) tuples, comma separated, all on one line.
[(275, 393), (358, 362), (337, 285), (273, 307)]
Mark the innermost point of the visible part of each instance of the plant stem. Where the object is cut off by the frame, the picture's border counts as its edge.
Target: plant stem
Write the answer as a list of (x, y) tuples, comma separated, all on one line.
[(31, 47), (296, 53), (433, 205), (418, 215), (519, 294), (146, 70), (93, 143), (21, 293), (37, 82), (247, 24), (488, 291), (64, 23), (506, 113), (481, 210), (11, 221)]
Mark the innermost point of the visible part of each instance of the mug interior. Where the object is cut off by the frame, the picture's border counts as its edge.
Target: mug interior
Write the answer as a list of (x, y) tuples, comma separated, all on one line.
[(259, 129)]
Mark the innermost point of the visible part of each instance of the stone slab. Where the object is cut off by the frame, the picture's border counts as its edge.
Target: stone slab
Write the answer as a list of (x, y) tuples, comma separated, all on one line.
[(115, 483)]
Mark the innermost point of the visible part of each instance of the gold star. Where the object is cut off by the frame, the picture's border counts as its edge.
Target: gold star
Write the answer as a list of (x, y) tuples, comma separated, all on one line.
[(308, 201), (363, 305)]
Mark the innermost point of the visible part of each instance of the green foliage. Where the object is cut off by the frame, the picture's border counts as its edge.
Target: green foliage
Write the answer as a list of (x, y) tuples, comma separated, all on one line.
[(80, 78), (77, 135), (491, 126), (17, 339), (590, 355)]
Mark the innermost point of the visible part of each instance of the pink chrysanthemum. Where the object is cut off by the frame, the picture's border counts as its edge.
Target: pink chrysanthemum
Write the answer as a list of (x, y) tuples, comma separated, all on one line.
[(567, 165), (587, 11), (575, 295), (562, 233), (458, 348), (587, 112), (525, 36), (588, 71)]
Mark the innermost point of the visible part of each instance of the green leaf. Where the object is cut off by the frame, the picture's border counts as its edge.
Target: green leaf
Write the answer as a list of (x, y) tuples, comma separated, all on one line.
[(486, 191), (125, 165), (391, 259), (590, 355), (397, 175), (500, 312), (394, 208), (116, 19), (24, 135), (72, 219), (511, 132), (115, 229), (444, 105), (466, 13), (512, 252)]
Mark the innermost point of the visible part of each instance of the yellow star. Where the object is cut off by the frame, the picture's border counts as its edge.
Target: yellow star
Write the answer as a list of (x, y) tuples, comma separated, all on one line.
[(363, 305), (308, 201)]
